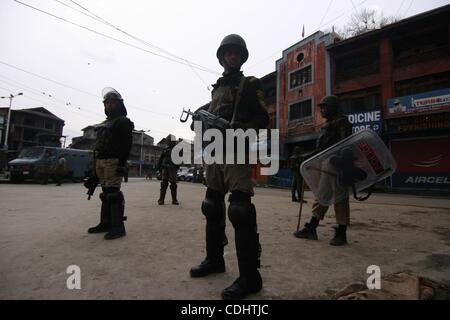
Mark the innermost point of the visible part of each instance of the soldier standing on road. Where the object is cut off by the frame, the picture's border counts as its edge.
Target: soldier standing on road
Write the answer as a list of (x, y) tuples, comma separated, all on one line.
[(60, 170), (249, 113), (297, 179), (125, 172), (112, 148), (336, 129), (168, 174)]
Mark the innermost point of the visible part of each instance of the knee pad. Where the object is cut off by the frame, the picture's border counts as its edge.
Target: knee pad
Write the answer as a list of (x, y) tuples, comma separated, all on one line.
[(213, 205), (239, 196), (173, 186), (164, 184), (241, 212), (115, 197)]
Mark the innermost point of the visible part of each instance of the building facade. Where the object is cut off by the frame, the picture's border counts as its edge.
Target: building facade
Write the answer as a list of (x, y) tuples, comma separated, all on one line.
[(31, 127), (396, 81), (303, 78)]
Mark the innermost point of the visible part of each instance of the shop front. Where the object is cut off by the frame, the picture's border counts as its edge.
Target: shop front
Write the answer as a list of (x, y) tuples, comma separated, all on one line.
[(419, 133)]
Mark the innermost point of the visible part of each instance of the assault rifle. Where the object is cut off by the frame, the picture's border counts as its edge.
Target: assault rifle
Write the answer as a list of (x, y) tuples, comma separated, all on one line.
[(90, 184), (208, 119)]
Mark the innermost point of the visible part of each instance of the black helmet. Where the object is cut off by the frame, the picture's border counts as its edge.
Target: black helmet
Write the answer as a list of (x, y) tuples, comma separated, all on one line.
[(109, 93), (330, 101), (232, 40)]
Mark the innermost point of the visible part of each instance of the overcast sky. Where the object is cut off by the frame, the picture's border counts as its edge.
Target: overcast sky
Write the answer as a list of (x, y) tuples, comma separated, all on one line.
[(154, 88)]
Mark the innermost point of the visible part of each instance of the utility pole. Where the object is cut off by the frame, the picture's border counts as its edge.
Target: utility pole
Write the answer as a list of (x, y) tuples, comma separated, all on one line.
[(11, 96), (142, 151)]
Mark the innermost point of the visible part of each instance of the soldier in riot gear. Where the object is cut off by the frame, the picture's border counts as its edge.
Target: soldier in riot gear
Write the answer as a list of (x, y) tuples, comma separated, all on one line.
[(240, 101), (112, 147), (297, 179), (168, 174), (336, 129)]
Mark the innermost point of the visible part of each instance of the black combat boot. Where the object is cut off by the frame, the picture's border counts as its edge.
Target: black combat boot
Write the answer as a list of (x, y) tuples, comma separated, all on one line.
[(105, 217), (173, 191), (162, 192), (309, 231), (294, 197), (340, 236), (248, 249), (206, 267), (214, 262), (117, 216), (213, 208)]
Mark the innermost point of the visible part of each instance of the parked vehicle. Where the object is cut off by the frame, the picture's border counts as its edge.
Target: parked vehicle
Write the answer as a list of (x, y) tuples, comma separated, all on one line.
[(190, 175), (38, 164), (182, 173)]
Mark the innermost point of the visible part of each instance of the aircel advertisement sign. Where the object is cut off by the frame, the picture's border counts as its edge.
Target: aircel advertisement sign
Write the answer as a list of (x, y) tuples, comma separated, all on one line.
[(419, 167), (423, 102)]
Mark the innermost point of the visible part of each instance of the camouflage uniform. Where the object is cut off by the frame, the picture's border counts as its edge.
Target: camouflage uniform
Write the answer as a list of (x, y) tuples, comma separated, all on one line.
[(112, 148), (250, 113), (168, 174)]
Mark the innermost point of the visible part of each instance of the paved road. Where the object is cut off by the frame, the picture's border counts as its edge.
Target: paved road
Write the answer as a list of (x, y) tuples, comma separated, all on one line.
[(43, 231)]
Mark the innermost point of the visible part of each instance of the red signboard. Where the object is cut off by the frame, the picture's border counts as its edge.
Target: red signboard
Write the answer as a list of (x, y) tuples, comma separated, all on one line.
[(422, 163)]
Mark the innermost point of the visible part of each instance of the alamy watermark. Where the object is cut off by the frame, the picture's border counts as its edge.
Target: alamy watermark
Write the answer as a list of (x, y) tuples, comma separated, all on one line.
[(241, 146), (74, 280), (374, 280)]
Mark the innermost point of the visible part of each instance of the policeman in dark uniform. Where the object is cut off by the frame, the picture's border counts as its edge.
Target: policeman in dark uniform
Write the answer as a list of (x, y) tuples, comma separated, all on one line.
[(112, 147), (336, 129), (250, 112), (297, 179), (168, 174)]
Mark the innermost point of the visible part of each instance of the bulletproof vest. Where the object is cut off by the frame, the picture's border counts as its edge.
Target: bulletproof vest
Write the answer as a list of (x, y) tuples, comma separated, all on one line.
[(223, 96), (105, 143), (331, 132), (167, 160)]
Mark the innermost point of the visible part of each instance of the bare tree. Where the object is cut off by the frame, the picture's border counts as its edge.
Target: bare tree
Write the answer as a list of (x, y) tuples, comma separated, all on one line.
[(366, 20)]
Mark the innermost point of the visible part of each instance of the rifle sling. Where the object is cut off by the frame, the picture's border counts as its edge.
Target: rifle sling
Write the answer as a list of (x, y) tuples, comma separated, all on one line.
[(237, 99)]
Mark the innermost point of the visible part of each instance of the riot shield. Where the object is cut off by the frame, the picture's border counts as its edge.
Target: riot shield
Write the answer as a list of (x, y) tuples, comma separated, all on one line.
[(357, 162)]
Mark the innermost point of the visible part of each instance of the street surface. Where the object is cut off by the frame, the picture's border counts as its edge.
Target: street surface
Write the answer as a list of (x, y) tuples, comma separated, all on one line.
[(43, 232)]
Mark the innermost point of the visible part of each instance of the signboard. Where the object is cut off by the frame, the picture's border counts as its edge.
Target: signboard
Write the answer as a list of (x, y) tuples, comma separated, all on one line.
[(423, 102), (365, 120), (431, 122), (420, 167)]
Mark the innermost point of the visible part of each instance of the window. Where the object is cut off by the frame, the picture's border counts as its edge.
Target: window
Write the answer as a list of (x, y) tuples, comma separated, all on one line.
[(361, 100), (421, 46), (48, 125), (424, 84), (300, 110), (29, 134), (28, 122), (357, 64), (300, 77)]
